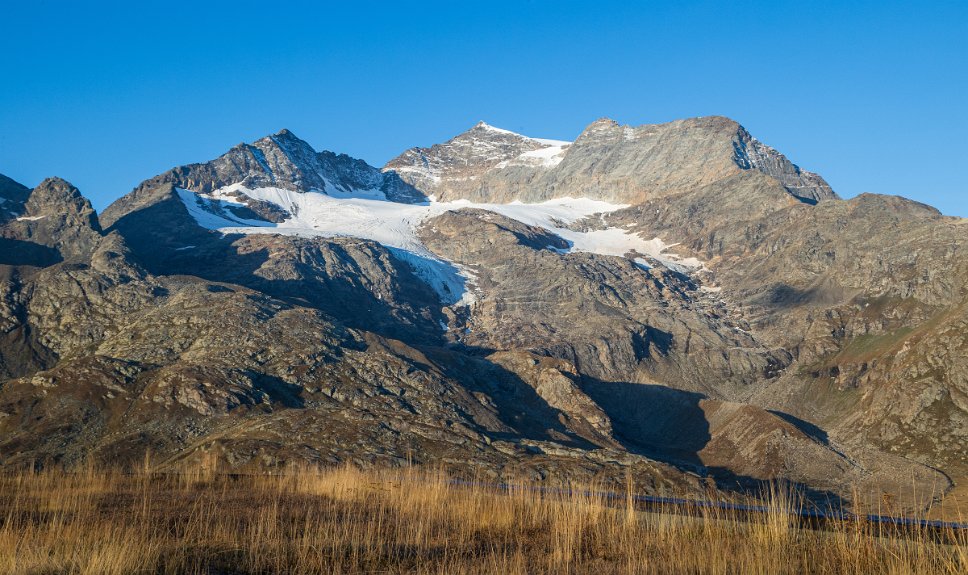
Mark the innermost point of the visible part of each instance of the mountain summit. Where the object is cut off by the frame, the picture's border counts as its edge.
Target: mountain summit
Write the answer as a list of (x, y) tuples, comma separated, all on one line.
[(470, 156), (281, 161), (607, 161)]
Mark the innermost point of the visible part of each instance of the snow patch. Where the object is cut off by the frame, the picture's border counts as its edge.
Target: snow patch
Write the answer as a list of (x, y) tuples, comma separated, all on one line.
[(30, 218), (548, 157), (545, 141), (642, 263), (470, 282), (445, 277), (426, 172), (490, 128), (211, 211)]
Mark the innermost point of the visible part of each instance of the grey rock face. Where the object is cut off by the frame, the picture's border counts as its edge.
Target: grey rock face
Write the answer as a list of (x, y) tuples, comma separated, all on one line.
[(53, 215), (751, 154)]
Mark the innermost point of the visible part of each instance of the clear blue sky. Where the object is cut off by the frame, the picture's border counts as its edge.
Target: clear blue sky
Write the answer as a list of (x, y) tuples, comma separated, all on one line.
[(872, 95)]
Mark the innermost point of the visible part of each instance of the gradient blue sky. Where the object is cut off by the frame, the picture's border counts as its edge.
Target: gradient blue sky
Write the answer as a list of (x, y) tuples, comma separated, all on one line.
[(872, 95)]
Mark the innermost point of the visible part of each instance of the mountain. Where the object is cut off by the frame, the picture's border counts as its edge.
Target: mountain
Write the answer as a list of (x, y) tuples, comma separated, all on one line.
[(620, 164), (678, 301)]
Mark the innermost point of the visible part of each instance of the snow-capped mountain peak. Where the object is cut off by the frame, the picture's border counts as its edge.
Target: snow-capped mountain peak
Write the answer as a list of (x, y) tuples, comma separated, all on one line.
[(283, 160), (485, 126), (471, 154)]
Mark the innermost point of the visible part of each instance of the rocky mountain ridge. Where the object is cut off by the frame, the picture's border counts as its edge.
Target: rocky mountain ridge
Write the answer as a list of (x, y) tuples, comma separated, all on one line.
[(711, 314), (283, 161), (608, 161)]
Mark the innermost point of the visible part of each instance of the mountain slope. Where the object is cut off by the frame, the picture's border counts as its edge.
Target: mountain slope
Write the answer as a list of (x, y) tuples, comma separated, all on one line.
[(869, 295)]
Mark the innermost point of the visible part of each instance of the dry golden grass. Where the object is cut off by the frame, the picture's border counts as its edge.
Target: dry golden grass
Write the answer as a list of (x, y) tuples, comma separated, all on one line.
[(404, 521)]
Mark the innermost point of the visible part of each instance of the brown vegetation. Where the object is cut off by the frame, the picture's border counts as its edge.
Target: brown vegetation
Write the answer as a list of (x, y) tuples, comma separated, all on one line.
[(405, 521)]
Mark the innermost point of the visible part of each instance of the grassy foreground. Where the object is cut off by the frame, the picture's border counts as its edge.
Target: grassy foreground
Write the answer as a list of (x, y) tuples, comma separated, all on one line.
[(403, 521)]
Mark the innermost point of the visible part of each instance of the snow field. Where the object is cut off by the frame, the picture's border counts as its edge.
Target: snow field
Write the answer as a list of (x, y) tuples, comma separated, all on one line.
[(369, 215)]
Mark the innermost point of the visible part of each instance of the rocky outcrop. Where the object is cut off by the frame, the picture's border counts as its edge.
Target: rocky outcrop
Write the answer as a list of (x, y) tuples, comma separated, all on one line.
[(751, 154), (54, 215), (558, 383)]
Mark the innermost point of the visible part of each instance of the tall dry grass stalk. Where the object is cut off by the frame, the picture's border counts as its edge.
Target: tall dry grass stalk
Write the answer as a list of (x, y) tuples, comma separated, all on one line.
[(345, 520)]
